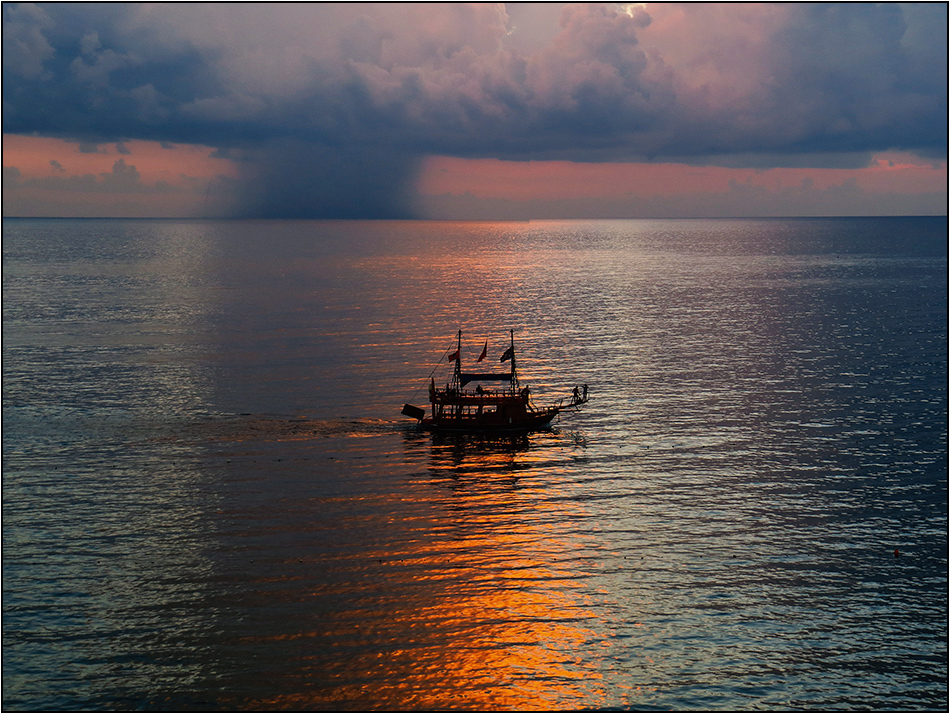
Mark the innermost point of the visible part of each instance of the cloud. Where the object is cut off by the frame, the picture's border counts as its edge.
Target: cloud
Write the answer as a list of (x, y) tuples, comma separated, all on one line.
[(183, 181), (894, 183), (124, 178), (738, 199), (25, 48), (334, 105)]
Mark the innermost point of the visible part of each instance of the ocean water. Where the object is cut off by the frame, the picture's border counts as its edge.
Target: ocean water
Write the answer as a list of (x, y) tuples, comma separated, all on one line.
[(210, 500)]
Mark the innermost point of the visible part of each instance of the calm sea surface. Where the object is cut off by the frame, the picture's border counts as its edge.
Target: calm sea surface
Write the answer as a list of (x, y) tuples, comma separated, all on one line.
[(210, 500)]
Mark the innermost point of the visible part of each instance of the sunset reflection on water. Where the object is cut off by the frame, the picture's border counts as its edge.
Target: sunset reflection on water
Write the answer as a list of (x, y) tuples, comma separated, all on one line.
[(476, 608)]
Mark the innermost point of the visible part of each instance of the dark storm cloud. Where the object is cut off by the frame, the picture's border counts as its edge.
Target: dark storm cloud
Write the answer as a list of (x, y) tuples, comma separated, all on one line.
[(301, 179), (334, 104), (853, 84)]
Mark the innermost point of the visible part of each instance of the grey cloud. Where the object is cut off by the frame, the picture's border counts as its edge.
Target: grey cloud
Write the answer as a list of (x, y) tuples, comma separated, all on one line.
[(845, 81), (223, 152), (840, 76), (12, 179), (123, 178), (25, 48)]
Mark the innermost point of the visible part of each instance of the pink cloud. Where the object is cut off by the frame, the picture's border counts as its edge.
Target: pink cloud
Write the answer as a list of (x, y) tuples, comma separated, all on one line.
[(624, 189), (492, 178), (46, 176)]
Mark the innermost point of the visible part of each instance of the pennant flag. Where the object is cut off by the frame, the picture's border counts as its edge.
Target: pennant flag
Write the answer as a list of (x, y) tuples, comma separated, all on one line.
[(509, 353), (454, 357), (484, 352)]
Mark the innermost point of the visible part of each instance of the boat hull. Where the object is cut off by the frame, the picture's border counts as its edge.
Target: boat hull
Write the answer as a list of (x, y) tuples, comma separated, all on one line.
[(540, 419)]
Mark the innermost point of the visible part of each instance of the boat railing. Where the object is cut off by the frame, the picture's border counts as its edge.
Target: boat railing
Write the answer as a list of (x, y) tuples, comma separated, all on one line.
[(471, 395), (476, 397)]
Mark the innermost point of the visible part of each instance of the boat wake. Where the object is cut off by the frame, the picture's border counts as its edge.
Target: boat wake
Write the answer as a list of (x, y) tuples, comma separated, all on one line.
[(225, 428)]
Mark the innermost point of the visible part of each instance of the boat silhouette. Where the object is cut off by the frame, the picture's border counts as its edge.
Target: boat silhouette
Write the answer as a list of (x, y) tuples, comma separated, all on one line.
[(507, 407)]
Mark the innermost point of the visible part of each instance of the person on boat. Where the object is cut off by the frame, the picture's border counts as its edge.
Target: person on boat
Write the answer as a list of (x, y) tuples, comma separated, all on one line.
[(577, 394), (585, 393)]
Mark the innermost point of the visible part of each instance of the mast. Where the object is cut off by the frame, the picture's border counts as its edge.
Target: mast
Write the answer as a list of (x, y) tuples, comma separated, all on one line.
[(514, 370), (457, 375)]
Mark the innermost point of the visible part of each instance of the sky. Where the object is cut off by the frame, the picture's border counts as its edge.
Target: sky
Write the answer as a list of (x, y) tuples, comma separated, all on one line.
[(474, 111)]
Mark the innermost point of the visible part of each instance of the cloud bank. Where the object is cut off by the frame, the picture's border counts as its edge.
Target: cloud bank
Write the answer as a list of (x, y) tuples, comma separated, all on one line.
[(332, 107)]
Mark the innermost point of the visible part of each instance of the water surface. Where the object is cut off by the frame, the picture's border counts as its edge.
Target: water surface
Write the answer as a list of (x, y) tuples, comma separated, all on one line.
[(210, 500)]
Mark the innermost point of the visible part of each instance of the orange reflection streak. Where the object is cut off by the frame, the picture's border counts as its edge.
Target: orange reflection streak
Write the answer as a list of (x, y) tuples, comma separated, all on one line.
[(465, 613)]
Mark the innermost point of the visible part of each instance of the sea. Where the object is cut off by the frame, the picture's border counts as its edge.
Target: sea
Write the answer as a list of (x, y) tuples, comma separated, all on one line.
[(212, 502)]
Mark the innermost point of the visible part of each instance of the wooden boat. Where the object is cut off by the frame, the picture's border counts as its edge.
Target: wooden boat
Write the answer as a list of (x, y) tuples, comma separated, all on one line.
[(506, 408)]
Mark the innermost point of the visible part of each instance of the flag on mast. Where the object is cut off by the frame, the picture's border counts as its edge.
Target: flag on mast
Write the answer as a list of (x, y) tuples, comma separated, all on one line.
[(509, 353), (454, 357), (484, 352)]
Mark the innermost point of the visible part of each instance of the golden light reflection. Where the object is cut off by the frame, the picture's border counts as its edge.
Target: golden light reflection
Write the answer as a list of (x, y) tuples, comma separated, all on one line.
[(469, 611)]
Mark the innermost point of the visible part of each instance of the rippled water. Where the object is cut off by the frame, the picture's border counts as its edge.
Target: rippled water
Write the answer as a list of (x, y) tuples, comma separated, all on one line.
[(210, 500)]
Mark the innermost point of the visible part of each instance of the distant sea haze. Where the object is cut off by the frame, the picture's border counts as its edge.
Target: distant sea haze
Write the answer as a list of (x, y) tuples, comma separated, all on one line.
[(211, 500)]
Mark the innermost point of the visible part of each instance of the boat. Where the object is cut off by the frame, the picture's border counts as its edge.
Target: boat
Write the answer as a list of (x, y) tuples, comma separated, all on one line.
[(507, 407)]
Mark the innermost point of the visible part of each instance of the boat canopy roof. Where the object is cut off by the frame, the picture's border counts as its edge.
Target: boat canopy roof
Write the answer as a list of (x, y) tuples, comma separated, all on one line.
[(466, 377)]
